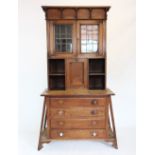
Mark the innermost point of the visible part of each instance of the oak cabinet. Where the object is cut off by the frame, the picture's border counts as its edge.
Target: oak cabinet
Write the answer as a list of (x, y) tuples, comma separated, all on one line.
[(77, 103)]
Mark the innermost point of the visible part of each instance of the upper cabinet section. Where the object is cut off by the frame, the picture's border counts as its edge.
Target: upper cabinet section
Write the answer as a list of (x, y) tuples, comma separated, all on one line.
[(54, 13), (76, 31)]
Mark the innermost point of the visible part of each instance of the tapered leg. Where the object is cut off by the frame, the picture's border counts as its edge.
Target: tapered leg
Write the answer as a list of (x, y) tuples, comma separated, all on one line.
[(42, 126), (113, 124)]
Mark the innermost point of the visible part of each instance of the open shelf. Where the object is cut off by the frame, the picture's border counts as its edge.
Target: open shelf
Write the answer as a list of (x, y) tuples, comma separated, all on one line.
[(96, 74), (56, 66), (96, 66), (56, 83), (56, 74), (96, 82)]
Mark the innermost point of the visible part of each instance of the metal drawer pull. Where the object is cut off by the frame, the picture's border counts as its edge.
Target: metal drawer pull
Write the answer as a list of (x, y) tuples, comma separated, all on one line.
[(94, 134), (61, 112), (94, 102), (93, 122), (61, 134), (61, 102), (94, 112), (61, 123)]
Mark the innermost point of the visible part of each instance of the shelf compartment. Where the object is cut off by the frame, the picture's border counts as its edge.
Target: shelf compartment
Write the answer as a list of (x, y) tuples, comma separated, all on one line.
[(97, 82), (96, 66), (56, 82), (56, 66)]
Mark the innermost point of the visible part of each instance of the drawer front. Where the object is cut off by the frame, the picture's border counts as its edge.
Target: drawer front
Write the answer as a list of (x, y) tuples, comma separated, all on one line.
[(78, 134), (91, 102), (78, 123), (77, 112)]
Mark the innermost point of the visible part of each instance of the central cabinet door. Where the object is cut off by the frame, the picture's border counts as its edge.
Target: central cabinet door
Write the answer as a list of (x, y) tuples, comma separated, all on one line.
[(76, 73)]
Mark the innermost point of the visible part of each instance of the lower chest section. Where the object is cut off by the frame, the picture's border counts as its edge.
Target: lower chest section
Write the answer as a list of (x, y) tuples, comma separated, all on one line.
[(77, 118)]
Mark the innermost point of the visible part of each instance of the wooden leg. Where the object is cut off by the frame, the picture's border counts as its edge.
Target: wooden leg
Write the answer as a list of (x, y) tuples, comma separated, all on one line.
[(40, 144), (113, 125), (109, 126)]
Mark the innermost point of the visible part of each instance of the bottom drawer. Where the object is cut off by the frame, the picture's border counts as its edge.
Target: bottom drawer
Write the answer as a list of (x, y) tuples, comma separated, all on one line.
[(78, 134)]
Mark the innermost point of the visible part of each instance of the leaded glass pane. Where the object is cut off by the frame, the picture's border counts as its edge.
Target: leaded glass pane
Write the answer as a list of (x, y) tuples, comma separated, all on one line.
[(63, 38), (89, 38)]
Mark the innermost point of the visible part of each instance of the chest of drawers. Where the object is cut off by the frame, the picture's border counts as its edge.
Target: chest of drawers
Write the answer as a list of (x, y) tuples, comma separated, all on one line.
[(76, 116)]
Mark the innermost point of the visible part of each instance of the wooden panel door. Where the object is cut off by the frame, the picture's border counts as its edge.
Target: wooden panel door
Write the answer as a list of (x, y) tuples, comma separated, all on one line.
[(76, 73)]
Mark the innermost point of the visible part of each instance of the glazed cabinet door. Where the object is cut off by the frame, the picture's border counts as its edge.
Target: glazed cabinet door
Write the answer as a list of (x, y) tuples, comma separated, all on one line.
[(76, 73), (91, 38), (61, 37)]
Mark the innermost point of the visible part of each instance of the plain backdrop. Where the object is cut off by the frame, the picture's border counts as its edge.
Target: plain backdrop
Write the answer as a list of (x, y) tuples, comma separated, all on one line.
[(33, 77)]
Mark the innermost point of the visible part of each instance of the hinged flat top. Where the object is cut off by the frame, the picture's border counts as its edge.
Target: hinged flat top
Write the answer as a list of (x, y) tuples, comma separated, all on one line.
[(77, 92)]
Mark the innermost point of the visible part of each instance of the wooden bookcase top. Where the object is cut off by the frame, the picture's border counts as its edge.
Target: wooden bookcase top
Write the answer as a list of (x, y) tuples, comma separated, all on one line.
[(76, 12), (44, 7)]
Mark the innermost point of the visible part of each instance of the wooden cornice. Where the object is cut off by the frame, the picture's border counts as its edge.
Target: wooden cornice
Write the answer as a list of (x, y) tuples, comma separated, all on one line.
[(75, 12)]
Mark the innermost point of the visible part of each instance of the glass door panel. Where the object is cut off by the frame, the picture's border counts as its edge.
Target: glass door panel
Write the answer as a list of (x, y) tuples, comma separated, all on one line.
[(63, 38), (89, 38)]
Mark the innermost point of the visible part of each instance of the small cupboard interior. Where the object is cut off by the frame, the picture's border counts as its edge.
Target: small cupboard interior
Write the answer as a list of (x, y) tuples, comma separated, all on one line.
[(56, 74)]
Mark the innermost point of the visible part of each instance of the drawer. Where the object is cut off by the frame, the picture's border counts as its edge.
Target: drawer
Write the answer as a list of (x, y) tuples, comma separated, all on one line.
[(66, 102), (78, 123), (76, 112), (78, 134)]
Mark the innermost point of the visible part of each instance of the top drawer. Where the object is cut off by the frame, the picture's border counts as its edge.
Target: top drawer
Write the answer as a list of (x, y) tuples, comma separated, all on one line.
[(66, 102)]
